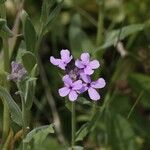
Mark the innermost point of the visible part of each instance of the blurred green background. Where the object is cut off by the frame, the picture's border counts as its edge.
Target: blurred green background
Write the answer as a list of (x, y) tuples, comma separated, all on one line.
[(117, 33)]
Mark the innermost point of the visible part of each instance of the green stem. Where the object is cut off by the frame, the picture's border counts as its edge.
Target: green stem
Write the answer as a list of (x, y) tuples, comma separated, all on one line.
[(99, 41), (131, 110), (100, 29), (73, 125), (24, 115), (24, 111), (6, 118), (25, 124)]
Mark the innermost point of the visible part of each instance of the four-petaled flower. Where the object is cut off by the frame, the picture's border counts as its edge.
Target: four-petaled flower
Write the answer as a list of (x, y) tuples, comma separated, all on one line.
[(65, 59), (86, 65), (70, 88), (90, 86)]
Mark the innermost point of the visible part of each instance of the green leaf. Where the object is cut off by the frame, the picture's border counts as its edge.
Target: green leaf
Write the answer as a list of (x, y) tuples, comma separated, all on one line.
[(39, 134), (34, 71), (30, 90), (87, 127), (29, 61), (119, 129), (28, 32), (140, 82), (46, 6), (68, 104), (15, 111), (112, 36), (3, 78), (49, 143), (4, 29), (82, 132), (52, 15)]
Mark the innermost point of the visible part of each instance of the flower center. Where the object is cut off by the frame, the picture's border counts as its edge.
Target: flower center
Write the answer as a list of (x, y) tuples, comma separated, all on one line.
[(85, 66), (70, 87), (74, 74), (88, 85)]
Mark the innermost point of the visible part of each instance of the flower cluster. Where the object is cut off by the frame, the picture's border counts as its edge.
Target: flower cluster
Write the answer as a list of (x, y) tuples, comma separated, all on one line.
[(78, 75), (18, 72)]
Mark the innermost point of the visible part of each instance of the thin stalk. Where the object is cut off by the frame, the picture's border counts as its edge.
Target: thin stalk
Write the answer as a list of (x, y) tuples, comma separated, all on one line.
[(131, 110), (6, 117), (100, 29), (73, 125), (24, 115), (99, 41), (94, 108), (24, 111)]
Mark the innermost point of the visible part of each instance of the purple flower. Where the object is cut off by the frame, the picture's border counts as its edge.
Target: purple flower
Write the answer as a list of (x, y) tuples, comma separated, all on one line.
[(70, 88), (86, 65), (18, 72), (91, 86), (78, 73), (65, 59)]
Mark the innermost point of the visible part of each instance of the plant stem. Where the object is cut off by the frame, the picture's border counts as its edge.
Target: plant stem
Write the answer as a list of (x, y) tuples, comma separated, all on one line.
[(6, 118), (100, 29), (73, 125), (24, 111), (137, 100), (24, 115), (99, 41)]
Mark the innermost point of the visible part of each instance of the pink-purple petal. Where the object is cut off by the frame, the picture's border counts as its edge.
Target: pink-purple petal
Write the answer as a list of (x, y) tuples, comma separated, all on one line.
[(100, 83), (62, 65), (54, 61), (79, 64), (67, 80), (83, 89), (85, 78), (93, 94), (77, 85), (94, 64), (64, 91), (65, 56), (88, 70), (73, 95), (85, 57)]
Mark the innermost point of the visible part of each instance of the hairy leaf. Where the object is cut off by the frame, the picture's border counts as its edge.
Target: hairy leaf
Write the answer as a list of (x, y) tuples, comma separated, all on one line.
[(28, 32), (29, 61), (14, 109), (39, 134), (112, 36)]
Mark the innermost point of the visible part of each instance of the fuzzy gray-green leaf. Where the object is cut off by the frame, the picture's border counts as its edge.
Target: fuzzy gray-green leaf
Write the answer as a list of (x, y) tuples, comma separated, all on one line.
[(28, 32), (39, 134), (29, 61), (112, 36), (14, 109)]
